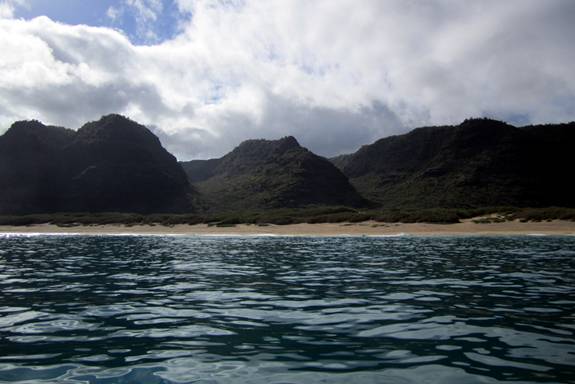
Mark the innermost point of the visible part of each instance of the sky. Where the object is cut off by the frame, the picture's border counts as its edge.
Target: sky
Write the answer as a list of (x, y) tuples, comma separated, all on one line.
[(205, 75)]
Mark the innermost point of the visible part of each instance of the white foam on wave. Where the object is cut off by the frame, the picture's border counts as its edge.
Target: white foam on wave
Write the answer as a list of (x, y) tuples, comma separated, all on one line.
[(199, 235), (128, 234), (400, 234), (35, 234), (76, 234), (255, 235)]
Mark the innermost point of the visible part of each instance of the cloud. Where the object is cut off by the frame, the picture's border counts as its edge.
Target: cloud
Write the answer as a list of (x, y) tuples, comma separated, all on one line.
[(6, 11), (332, 73), (8, 7), (324, 130), (114, 13)]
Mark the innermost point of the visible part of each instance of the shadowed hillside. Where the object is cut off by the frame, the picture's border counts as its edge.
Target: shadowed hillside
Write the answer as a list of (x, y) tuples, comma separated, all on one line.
[(480, 162), (270, 174), (117, 165), (112, 164)]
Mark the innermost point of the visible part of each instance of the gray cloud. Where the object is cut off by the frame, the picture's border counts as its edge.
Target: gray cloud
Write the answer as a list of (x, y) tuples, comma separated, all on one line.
[(330, 131), (326, 131), (72, 105), (329, 72)]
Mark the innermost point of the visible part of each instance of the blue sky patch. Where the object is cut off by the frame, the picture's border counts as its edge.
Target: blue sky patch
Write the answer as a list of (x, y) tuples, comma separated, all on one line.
[(154, 25)]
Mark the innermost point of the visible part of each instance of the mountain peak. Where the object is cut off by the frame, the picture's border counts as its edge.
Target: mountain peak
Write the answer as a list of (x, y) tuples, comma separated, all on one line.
[(27, 125), (111, 121), (113, 164), (261, 148), (115, 118), (288, 142), (483, 122), (117, 128), (28, 131), (261, 174)]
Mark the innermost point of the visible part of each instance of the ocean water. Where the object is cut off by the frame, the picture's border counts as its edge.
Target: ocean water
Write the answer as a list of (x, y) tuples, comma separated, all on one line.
[(137, 309)]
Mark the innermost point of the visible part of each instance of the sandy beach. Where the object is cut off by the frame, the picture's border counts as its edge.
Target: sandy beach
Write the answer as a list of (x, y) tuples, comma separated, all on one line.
[(467, 227)]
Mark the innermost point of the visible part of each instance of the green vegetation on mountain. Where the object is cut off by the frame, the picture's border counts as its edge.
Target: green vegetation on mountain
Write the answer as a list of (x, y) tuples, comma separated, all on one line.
[(265, 174), (115, 170), (478, 163)]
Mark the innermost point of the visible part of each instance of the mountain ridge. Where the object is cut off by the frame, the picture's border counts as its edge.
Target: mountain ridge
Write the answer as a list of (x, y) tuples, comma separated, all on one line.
[(116, 164), (480, 162)]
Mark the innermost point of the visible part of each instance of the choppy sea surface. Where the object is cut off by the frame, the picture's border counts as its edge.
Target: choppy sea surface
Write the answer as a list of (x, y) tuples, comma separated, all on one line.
[(137, 309)]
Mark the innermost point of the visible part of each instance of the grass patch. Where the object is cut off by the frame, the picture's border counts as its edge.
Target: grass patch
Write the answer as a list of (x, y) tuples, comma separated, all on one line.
[(544, 214), (297, 215)]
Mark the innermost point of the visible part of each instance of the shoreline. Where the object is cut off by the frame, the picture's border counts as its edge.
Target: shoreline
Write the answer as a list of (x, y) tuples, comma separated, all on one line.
[(465, 228)]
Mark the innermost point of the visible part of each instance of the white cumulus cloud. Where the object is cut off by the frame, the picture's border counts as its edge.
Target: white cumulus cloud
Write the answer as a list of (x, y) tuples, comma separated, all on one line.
[(8, 7), (334, 73)]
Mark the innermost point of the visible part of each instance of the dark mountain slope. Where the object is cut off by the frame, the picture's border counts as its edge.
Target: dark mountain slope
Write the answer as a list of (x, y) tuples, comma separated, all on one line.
[(31, 171), (261, 174), (480, 162), (113, 164), (119, 165), (200, 170)]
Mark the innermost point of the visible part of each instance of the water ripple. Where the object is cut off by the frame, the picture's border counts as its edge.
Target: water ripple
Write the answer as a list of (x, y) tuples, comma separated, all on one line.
[(98, 309)]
